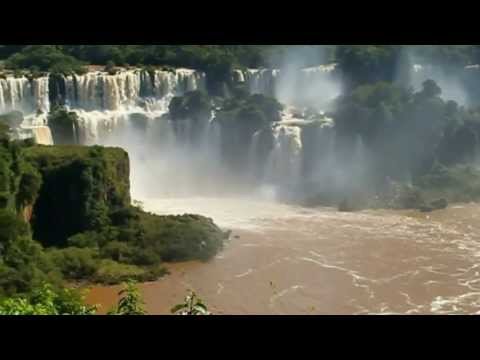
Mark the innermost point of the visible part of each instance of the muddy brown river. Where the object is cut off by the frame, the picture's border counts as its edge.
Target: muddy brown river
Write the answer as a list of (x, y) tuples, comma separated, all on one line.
[(284, 259)]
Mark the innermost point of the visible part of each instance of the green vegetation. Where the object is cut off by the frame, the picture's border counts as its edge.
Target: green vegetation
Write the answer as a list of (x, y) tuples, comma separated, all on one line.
[(45, 300), (192, 305), (50, 58), (81, 187), (460, 183), (130, 303), (194, 105), (216, 60), (387, 117), (12, 119), (181, 238), (66, 214), (367, 63), (407, 137), (64, 126), (240, 118), (112, 272)]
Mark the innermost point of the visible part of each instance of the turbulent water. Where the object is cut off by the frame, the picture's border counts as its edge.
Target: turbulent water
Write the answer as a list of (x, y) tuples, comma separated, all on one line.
[(292, 260)]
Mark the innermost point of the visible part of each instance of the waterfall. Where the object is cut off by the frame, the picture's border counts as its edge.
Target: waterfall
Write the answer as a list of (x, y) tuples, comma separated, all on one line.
[(104, 102), (22, 94), (302, 87), (284, 163), (261, 81), (41, 94), (238, 76), (129, 89), (253, 168), (130, 109), (42, 135)]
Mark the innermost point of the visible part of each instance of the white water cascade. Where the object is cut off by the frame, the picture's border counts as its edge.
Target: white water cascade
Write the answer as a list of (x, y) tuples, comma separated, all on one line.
[(126, 89), (24, 95), (300, 87), (31, 97), (104, 102), (130, 110)]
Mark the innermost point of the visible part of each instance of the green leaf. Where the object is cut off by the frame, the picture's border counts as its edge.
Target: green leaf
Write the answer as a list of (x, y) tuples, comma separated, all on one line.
[(177, 308)]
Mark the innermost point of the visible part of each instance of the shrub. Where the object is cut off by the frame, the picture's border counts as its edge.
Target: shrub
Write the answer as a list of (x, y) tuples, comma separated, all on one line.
[(75, 263), (29, 187), (111, 272), (47, 301), (89, 239), (194, 105), (110, 68), (44, 58), (179, 238), (117, 251), (144, 257)]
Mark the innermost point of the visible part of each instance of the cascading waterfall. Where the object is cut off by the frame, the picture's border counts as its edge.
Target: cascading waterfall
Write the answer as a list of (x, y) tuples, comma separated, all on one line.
[(284, 163), (130, 110), (24, 95), (31, 97), (129, 89), (260, 81), (43, 135), (103, 102), (315, 85)]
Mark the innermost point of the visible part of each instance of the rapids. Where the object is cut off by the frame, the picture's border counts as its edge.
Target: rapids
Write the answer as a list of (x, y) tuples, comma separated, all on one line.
[(285, 259)]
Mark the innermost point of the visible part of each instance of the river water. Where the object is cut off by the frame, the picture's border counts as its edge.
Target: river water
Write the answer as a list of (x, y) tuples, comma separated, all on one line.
[(284, 259)]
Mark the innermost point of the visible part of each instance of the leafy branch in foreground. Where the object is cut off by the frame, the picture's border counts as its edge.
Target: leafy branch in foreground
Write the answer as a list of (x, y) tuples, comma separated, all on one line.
[(131, 302), (48, 301), (192, 305)]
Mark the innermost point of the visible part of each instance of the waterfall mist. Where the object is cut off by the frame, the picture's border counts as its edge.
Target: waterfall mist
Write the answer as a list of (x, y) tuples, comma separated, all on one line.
[(307, 78), (452, 80)]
